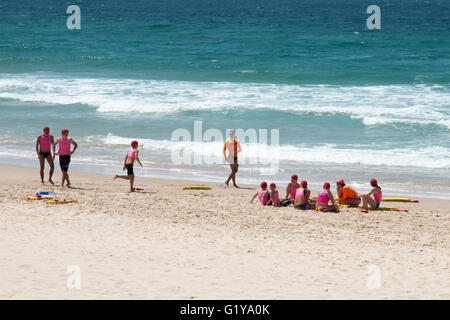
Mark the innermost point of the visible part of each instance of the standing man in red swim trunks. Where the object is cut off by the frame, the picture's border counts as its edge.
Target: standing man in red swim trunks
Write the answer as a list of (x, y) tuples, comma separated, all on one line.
[(44, 144), (234, 147)]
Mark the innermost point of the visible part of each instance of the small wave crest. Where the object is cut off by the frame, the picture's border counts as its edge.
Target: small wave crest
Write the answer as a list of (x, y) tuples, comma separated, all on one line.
[(432, 157), (374, 105)]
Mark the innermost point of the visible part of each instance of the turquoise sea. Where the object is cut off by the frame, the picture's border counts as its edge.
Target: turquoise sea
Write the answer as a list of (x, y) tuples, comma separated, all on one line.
[(347, 101)]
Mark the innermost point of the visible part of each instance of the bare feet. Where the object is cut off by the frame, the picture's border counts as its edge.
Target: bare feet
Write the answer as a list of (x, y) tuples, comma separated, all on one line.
[(227, 182), (132, 190), (236, 186), (50, 180), (115, 177)]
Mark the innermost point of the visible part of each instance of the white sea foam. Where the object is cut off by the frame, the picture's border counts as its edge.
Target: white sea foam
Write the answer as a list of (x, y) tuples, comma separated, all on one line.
[(433, 157), (417, 104)]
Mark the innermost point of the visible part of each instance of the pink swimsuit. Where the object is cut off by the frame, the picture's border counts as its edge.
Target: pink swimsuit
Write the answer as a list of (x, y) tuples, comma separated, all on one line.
[(378, 195), (64, 146), (293, 190), (276, 198), (260, 194), (322, 197), (299, 193), (45, 144), (132, 154)]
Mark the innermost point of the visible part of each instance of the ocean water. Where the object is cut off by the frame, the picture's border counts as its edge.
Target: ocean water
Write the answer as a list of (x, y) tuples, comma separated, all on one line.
[(346, 101)]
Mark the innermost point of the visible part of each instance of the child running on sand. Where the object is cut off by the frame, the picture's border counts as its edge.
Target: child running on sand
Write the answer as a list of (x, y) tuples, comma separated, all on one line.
[(262, 194), (64, 143), (347, 195), (302, 194), (324, 197), (44, 144), (376, 193), (128, 164), (274, 197)]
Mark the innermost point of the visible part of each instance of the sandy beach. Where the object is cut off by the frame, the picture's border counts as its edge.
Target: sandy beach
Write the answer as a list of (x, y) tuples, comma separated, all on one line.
[(169, 243)]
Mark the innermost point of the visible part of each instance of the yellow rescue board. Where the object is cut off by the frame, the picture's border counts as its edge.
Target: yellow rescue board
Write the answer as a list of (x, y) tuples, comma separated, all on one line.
[(398, 200), (384, 208), (197, 188), (380, 208), (60, 201), (43, 197)]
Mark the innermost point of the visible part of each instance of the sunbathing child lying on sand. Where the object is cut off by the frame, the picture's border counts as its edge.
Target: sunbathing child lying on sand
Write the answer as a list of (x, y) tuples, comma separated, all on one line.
[(262, 194)]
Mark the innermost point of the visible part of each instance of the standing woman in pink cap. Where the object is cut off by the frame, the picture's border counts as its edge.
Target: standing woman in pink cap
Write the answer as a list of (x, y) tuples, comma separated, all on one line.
[(44, 145), (128, 164), (64, 143), (376, 193)]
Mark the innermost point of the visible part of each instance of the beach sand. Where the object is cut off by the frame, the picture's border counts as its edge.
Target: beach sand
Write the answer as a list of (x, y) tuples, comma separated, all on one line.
[(170, 243)]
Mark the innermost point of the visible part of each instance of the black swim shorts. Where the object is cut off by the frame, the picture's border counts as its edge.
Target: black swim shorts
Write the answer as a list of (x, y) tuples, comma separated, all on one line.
[(64, 161), (304, 206), (129, 167)]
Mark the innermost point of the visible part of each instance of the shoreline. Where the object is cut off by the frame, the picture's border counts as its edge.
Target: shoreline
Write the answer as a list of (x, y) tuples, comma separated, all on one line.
[(27, 172), (159, 171), (170, 243), (430, 203)]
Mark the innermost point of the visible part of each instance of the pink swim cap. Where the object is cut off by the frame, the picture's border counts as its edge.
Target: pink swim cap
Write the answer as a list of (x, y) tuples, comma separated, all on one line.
[(134, 143), (341, 181), (273, 185), (304, 183), (64, 131), (294, 177), (46, 128), (263, 184), (326, 185), (374, 182)]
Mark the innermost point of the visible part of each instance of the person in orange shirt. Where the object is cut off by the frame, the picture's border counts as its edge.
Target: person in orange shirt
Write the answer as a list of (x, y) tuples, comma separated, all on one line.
[(234, 147), (347, 195)]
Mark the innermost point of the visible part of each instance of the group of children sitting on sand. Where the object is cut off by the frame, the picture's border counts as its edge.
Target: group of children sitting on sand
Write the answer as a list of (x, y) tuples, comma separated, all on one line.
[(300, 196)]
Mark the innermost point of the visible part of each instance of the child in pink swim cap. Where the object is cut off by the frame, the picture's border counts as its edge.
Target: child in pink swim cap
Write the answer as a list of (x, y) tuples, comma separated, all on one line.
[(65, 153), (376, 193), (274, 197), (128, 164), (262, 194), (43, 146)]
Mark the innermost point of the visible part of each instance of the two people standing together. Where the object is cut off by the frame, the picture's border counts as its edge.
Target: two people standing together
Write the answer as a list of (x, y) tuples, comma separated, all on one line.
[(46, 144)]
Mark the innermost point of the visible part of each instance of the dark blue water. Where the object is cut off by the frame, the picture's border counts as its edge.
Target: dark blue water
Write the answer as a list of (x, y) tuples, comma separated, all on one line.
[(287, 41), (344, 98)]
